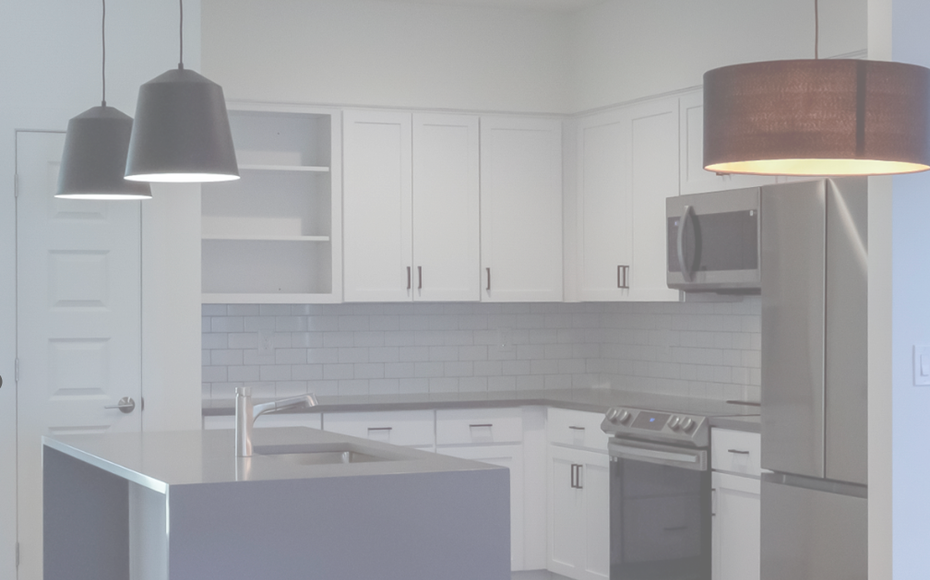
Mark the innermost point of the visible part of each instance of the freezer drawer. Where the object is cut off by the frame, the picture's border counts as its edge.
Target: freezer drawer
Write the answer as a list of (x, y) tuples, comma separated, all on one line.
[(812, 533)]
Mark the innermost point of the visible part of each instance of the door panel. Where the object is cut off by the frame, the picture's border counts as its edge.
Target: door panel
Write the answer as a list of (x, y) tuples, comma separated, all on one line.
[(793, 247), (78, 321), (846, 366), (377, 218), (445, 207)]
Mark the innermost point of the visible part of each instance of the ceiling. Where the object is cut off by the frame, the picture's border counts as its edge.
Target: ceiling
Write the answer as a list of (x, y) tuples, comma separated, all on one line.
[(547, 5)]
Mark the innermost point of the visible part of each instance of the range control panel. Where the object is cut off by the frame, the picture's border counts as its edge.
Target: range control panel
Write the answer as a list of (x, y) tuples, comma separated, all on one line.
[(657, 426)]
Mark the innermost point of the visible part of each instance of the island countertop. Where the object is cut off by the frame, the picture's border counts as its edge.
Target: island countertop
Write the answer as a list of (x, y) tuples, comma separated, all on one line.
[(161, 459)]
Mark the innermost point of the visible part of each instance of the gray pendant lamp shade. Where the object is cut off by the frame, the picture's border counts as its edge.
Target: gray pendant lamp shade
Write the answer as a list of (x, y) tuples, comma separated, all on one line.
[(817, 117), (181, 131), (94, 157)]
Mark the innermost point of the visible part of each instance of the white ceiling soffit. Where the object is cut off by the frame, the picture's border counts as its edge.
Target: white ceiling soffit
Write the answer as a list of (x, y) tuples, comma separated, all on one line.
[(546, 5)]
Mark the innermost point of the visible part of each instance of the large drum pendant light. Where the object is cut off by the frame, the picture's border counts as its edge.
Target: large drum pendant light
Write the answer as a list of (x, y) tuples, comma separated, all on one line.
[(817, 117), (181, 133), (94, 157)]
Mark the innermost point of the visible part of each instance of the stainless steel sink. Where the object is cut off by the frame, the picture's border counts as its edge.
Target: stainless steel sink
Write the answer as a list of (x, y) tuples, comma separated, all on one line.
[(320, 454), (326, 457)]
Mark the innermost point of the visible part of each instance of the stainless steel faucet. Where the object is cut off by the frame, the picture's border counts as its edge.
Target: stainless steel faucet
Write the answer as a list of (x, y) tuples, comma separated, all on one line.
[(246, 414)]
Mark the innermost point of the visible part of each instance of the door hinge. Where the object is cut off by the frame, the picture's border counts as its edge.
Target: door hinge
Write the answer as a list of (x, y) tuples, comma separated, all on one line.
[(16, 371), (16, 185)]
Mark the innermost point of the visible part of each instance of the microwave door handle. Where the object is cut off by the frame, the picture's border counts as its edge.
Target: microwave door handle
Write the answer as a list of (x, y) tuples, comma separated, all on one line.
[(682, 222)]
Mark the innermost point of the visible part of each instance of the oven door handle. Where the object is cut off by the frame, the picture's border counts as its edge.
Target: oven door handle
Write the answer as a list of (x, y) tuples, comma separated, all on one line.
[(694, 459)]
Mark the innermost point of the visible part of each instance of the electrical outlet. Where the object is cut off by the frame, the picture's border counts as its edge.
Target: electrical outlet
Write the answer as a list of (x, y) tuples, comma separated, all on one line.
[(265, 342)]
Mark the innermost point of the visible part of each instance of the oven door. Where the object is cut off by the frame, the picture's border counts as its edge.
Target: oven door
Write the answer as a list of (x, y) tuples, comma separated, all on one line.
[(660, 511)]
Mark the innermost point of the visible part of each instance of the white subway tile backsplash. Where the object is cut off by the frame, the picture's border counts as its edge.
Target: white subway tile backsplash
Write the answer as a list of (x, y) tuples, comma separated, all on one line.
[(710, 350)]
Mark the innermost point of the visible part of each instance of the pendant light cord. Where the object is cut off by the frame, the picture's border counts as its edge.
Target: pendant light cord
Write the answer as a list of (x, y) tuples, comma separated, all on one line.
[(181, 35), (103, 42), (816, 31)]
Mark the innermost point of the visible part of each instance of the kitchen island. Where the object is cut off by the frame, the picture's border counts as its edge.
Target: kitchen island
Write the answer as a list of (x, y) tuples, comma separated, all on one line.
[(307, 504)]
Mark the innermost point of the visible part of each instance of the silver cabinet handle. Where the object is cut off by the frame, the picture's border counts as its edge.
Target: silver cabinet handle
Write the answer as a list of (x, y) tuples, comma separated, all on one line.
[(576, 476), (126, 405), (619, 270), (409, 284), (685, 215), (380, 428), (713, 501), (626, 277), (738, 451), (420, 277), (488, 425), (573, 428), (489, 279)]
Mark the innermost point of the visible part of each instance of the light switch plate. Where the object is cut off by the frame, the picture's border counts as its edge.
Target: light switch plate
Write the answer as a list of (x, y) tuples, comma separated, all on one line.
[(921, 364)]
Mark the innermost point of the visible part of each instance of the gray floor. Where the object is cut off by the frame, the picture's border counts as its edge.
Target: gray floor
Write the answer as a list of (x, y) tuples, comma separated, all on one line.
[(536, 575)]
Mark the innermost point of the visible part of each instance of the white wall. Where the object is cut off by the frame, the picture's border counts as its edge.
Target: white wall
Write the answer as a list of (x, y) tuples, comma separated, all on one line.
[(399, 54), (628, 49), (910, 326), (365, 52), (51, 72)]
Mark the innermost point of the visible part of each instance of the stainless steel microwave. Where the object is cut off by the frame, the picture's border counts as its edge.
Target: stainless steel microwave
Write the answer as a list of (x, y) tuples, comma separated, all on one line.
[(713, 241)]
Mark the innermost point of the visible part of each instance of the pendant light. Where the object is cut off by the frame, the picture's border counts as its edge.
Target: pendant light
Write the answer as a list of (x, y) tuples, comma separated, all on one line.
[(94, 157), (817, 117), (181, 133)]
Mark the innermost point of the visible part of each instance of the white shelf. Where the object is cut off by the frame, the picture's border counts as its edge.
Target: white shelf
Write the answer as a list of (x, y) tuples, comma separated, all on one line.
[(306, 168), (242, 298), (264, 238)]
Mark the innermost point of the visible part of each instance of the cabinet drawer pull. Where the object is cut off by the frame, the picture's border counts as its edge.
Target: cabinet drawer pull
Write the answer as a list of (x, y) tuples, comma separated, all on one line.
[(420, 277), (619, 270), (576, 476), (574, 428), (489, 279), (626, 277), (380, 428), (488, 425), (738, 451), (409, 285)]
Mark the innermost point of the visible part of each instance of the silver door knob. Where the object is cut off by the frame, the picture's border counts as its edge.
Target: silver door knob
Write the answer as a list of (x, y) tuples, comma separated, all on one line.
[(126, 405)]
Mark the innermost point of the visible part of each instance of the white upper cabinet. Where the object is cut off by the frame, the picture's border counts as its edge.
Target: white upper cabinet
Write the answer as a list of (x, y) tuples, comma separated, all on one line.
[(521, 209), (377, 212), (694, 178), (275, 234), (627, 167), (445, 208), (411, 207)]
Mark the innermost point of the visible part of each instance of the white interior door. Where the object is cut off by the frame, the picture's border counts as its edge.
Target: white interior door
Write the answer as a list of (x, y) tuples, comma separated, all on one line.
[(78, 311)]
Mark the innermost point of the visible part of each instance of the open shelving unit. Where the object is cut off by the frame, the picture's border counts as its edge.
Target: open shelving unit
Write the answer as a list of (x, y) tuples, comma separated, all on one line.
[(274, 236)]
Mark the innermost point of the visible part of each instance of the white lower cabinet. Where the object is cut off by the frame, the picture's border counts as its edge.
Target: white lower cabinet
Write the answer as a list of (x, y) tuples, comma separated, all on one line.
[(492, 436), (736, 505), (407, 428), (579, 513)]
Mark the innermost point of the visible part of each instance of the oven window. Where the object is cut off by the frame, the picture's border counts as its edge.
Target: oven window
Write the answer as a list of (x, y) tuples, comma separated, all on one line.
[(660, 526), (716, 242)]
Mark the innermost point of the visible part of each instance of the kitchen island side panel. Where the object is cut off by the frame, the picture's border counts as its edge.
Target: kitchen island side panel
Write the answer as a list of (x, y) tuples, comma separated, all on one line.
[(454, 526), (85, 520)]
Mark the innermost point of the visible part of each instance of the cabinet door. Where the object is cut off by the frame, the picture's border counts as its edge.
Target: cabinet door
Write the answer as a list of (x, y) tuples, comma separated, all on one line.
[(377, 211), (628, 166), (511, 457), (579, 513), (653, 178), (604, 204), (521, 210), (409, 428), (694, 178), (445, 208), (736, 527)]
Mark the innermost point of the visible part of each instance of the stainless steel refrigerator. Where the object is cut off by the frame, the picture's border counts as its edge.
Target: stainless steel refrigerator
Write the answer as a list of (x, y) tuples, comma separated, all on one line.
[(814, 379)]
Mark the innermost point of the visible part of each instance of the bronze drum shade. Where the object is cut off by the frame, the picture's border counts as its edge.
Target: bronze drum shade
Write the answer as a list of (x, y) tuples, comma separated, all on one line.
[(817, 117)]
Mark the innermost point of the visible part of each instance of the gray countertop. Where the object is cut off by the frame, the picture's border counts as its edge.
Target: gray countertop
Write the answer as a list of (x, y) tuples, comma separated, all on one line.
[(161, 459), (596, 400)]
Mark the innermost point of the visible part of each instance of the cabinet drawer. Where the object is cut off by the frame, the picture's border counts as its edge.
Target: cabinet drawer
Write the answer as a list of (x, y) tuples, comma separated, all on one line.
[(736, 451), (478, 427), (577, 428), (410, 428)]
